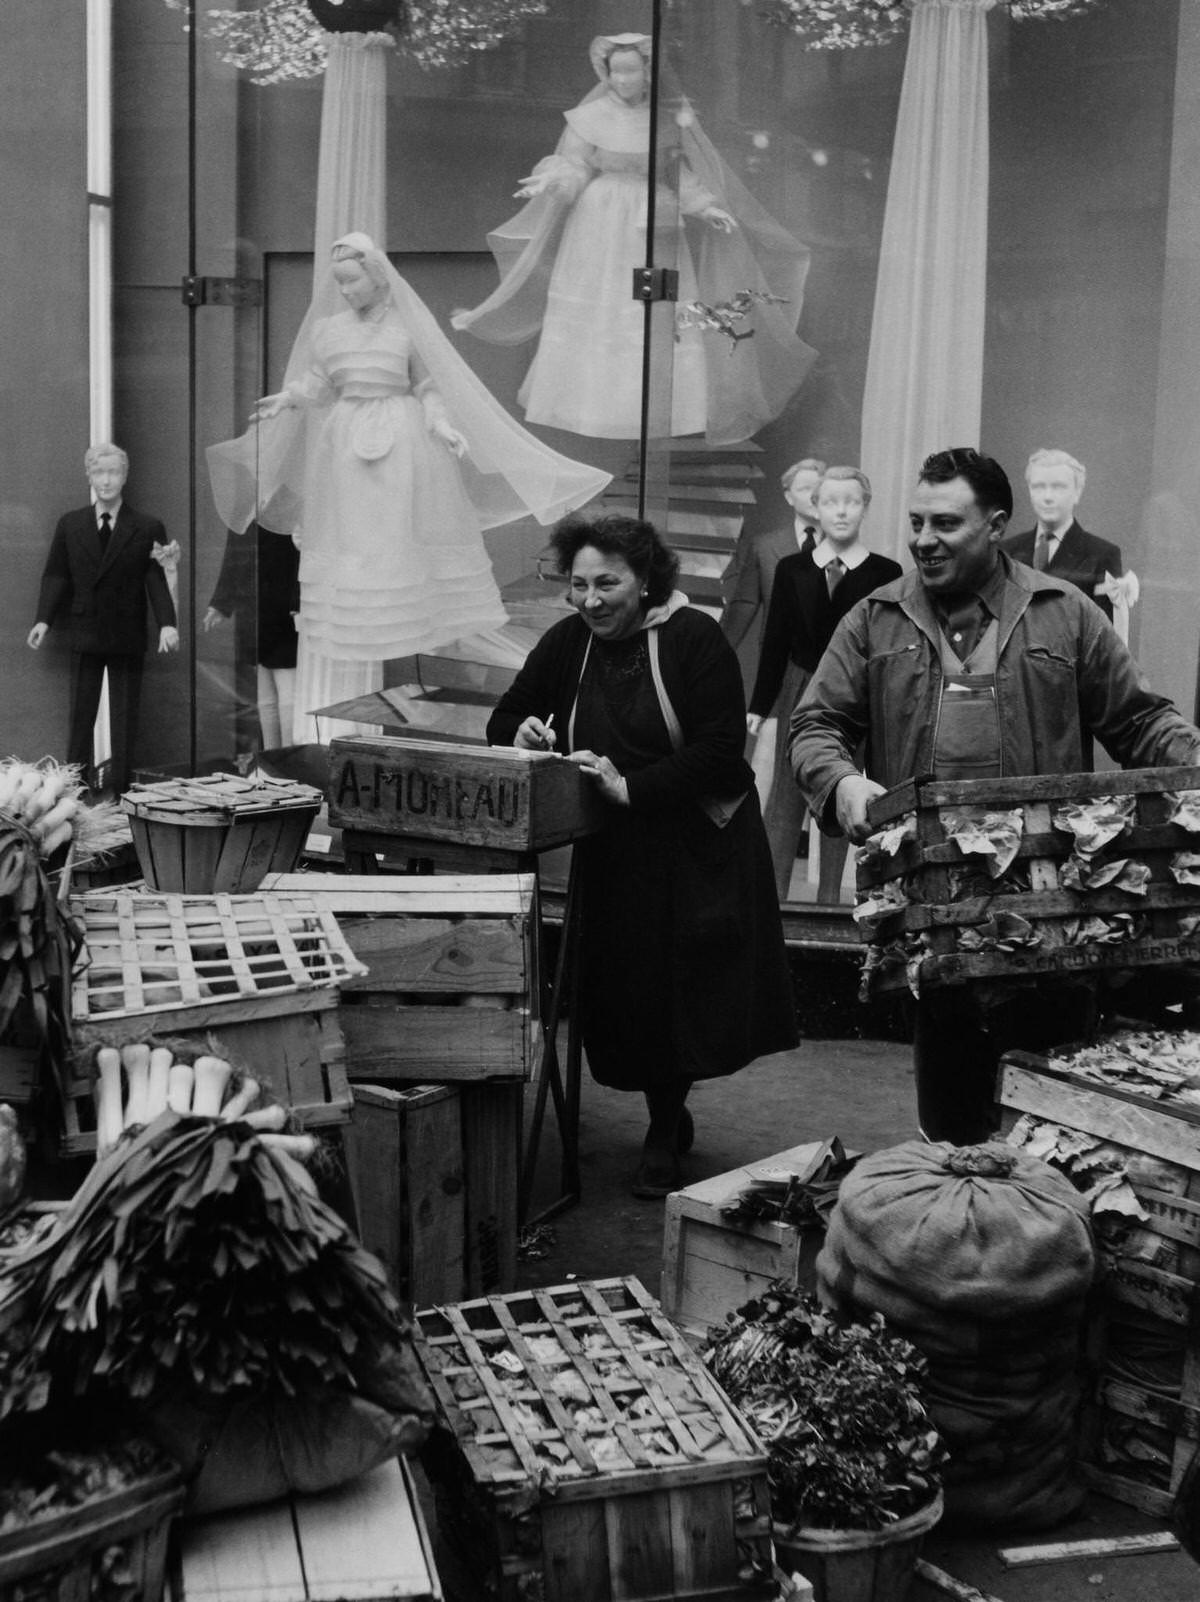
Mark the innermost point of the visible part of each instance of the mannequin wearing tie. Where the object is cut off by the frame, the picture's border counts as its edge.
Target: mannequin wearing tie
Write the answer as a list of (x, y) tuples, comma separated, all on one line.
[(101, 572), (813, 591), (751, 573), (1058, 545)]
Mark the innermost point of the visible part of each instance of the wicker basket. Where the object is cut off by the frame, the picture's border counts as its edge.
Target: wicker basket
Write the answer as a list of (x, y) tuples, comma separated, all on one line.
[(218, 832), (858, 1565), (112, 1547)]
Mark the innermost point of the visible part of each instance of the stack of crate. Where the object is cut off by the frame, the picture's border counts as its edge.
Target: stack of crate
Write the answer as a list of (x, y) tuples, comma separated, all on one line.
[(442, 1031), (1141, 1420), (253, 977), (586, 1454)]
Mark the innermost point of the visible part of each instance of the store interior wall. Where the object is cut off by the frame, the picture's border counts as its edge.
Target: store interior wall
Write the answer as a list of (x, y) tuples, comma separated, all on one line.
[(1083, 129)]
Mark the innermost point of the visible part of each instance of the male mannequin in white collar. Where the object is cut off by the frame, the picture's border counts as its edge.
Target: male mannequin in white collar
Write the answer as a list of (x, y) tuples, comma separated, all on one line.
[(100, 572), (751, 573), (1058, 544)]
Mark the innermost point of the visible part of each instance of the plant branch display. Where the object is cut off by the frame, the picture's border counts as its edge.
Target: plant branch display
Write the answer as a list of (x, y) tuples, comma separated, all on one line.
[(852, 24), (839, 1407)]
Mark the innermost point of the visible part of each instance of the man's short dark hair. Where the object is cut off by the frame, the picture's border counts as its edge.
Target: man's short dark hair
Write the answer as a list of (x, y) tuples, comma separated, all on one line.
[(988, 480)]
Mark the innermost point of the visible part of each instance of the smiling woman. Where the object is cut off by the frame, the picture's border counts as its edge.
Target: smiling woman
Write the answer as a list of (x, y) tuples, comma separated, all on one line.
[(683, 968)]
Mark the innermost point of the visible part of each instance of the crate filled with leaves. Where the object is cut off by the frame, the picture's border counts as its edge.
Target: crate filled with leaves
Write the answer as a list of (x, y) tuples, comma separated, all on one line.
[(1120, 1117), (252, 978), (1018, 877), (85, 1519), (584, 1453)]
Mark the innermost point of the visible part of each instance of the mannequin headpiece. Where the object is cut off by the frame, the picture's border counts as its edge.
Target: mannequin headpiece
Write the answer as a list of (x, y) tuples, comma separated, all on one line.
[(606, 44), (361, 247)]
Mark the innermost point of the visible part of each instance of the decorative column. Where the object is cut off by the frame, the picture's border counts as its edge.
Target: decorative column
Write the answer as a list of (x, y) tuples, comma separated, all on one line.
[(925, 365)]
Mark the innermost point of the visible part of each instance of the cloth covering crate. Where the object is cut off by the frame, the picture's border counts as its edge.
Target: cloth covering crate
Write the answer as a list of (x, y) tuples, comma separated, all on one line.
[(713, 1263), (253, 977), (586, 1454), (1003, 878), (449, 988), (1125, 1137)]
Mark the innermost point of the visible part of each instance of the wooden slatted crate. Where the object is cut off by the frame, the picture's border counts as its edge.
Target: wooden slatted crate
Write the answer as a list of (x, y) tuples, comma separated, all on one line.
[(434, 1174), (253, 977), (935, 917), (473, 795), (361, 1542), (450, 985), (587, 1455), (712, 1264), (218, 832), (1141, 1417)]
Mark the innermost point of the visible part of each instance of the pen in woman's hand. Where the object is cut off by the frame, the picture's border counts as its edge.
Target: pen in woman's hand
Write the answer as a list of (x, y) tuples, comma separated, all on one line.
[(549, 738)]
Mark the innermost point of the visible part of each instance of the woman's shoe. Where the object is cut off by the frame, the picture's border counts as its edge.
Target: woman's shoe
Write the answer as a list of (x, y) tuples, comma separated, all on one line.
[(658, 1173)]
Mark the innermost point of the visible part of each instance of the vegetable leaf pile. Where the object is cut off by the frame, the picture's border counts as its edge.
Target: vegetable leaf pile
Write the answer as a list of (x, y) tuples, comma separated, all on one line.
[(839, 1407), (193, 1261)]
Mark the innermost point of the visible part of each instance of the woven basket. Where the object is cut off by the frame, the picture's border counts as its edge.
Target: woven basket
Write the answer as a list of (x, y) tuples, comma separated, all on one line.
[(858, 1565)]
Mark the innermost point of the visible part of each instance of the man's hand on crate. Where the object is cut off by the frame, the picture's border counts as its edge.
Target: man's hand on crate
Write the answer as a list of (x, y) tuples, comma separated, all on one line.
[(853, 795)]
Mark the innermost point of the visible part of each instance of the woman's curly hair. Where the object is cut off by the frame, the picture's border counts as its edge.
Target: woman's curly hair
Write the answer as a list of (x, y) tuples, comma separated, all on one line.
[(637, 542)]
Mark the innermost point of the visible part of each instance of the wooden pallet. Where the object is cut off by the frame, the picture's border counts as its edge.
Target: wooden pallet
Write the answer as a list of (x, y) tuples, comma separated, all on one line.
[(361, 1542), (943, 929), (588, 1454)]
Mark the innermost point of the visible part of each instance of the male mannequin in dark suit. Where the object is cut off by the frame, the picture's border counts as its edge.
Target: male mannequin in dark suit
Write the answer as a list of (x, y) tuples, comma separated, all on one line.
[(751, 574), (101, 571), (1055, 482)]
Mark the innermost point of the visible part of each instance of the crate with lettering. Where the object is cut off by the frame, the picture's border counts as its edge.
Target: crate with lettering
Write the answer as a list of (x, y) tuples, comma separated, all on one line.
[(1019, 877), (585, 1454), (467, 795), (1117, 1115), (449, 987), (253, 977)]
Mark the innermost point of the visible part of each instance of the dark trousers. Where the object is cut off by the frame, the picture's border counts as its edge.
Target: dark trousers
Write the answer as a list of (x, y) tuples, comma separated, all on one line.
[(124, 694), (959, 1038)]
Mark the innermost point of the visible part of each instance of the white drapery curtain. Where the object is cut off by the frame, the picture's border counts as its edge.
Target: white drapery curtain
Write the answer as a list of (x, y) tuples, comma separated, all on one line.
[(925, 366), (351, 196)]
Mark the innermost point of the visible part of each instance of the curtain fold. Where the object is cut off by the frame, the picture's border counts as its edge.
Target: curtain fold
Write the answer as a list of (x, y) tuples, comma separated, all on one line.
[(925, 365), (351, 197)]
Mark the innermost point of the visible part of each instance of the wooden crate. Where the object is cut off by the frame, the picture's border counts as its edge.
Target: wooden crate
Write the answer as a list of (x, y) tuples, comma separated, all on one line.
[(494, 796), (1141, 1414), (942, 928), (254, 977), (434, 1174), (712, 1264), (449, 989), (361, 1542), (59, 1559), (586, 1454), (218, 832)]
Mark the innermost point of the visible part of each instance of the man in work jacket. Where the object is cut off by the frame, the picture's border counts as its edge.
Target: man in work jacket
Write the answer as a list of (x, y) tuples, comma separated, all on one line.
[(971, 667)]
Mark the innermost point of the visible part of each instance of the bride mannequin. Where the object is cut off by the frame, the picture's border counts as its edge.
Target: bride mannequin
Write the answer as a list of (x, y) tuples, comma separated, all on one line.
[(391, 458), (567, 259)]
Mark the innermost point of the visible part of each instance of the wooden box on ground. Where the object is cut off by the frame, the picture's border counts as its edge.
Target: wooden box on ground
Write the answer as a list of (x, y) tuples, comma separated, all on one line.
[(475, 795), (585, 1453), (361, 1542), (1141, 1418), (450, 988), (937, 917), (434, 1174), (72, 1556), (218, 832), (712, 1264), (253, 976)]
